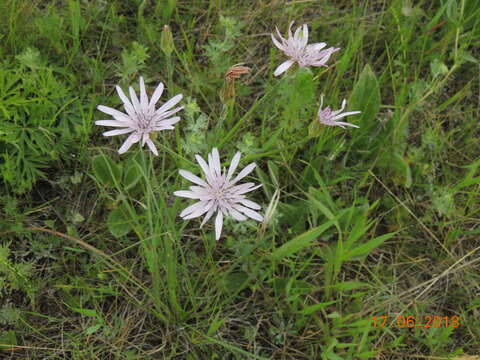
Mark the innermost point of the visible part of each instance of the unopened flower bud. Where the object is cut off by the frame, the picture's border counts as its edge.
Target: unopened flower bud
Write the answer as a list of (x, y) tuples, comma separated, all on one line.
[(166, 41)]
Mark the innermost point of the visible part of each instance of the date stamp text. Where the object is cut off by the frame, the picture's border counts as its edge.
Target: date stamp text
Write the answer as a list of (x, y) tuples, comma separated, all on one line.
[(427, 321)]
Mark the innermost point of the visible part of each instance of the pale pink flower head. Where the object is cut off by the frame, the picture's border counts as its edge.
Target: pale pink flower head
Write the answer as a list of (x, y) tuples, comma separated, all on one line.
[(218, 193), (328, 117), (141, 118), (299, 51)]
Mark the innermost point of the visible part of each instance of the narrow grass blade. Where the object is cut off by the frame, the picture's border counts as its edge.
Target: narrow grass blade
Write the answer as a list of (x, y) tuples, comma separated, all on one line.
[(367, 247), (313, 308), (300, 242)]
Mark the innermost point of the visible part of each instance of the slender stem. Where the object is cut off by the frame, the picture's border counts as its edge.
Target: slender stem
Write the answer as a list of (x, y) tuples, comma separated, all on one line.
[(239, 123), (457, 33), (170, 70)]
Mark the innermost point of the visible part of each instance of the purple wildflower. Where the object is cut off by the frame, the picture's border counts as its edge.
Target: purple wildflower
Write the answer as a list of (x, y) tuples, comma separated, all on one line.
[(141, 118), (218, 192), (299, 51), (328, 117)]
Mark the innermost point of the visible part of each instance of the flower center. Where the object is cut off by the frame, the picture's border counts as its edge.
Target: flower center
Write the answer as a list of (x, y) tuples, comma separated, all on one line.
[(143, 120), (325, 114), (219, 189)]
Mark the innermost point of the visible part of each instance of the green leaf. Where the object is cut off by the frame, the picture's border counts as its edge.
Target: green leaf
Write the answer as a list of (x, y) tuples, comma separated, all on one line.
[(131, 176), (362, 325), (8, 338), (78, 218), (367, 355), (106, 171), (215, 325), (349, 285), (92, 329), (467, 56), (9, 315), (320, 206), (403, 173), (334, 315), (31, 58), (359, 229), (75, 23), (300, 242), (366, 97), (313, 308), (466, 182), (367, 247), (274, 173), (233, 281), (119, 222), (453, 13), (86, 312), (315, 129), (133, 60), (438, 68)]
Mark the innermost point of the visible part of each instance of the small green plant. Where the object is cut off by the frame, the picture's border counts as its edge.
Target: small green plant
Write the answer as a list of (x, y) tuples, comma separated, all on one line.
[(217, 50), (15, 276), (32, 100), (133, 61)]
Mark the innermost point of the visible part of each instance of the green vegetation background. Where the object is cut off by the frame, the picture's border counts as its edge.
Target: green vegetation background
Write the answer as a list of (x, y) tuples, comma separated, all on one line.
[(378, 221)]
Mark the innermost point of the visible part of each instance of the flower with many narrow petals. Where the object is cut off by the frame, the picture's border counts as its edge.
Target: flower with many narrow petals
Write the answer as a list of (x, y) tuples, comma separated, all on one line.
[(328, 117), (219, 192), (299, 51), (141, 118)]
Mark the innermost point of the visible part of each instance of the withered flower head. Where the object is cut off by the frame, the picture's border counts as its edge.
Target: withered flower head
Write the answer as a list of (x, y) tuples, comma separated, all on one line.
[(236, 71)]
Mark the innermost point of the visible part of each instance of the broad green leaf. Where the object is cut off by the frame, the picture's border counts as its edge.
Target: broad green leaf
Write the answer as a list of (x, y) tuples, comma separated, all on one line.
[(131, 176), (367, 247), (366, 97), (402, 170), (300, 242), (119, 222), (453, 13), (106, 171), (234, 280)]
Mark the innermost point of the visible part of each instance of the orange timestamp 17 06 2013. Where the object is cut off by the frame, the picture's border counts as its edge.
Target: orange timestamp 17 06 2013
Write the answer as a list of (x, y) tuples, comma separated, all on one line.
[(427, 321)]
